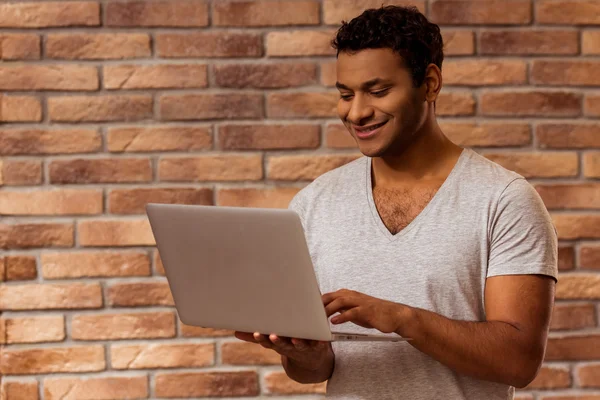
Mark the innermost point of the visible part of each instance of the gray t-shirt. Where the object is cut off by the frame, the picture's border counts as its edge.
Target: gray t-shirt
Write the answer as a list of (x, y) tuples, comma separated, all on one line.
[(484, 221)]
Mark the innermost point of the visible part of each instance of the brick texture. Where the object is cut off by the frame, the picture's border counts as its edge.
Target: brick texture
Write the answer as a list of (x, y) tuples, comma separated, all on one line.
[(108, 105)]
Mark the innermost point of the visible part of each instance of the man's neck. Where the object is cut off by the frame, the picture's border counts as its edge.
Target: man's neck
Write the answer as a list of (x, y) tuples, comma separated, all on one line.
[(430, 157)]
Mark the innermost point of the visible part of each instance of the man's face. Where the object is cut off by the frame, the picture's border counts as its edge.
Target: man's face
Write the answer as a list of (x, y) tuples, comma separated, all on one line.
[(375, 88)]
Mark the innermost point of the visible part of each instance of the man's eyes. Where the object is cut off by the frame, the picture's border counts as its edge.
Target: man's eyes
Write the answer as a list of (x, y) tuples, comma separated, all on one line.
[(378, 93)]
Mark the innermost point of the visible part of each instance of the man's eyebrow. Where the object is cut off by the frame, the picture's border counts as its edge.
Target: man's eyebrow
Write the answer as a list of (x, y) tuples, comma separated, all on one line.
[(365, 85)]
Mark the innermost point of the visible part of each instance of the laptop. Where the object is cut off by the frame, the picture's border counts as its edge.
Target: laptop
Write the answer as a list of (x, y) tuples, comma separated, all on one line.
[(243, 269)]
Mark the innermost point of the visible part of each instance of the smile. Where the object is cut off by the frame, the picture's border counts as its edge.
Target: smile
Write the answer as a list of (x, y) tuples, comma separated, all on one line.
[(369, 132)]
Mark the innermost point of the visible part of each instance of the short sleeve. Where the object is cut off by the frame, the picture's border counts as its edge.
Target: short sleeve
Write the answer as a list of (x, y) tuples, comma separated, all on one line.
[(296, 205), (522, 237)]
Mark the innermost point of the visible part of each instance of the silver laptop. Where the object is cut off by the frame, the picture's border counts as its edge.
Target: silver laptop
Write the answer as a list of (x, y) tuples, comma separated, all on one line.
[(243, 269)]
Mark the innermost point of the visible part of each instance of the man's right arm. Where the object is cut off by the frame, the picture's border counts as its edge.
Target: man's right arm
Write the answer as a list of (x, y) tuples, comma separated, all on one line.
[(303, 375)]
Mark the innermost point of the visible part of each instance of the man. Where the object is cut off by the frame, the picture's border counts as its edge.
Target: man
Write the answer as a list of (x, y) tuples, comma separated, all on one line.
[(420, 238)]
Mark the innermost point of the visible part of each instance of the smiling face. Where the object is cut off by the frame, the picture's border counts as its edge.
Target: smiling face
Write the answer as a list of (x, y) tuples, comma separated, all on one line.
[(376, 88)]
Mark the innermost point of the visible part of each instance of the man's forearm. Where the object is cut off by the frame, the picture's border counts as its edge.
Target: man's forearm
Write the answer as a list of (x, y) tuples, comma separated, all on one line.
[(303, 375), (490, 350)]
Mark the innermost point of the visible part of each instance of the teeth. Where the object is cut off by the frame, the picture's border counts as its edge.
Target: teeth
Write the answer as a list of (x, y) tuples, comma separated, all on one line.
[(373, 128)]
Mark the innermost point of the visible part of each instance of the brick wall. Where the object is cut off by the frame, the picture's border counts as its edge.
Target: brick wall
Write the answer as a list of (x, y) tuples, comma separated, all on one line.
[(108, 105)]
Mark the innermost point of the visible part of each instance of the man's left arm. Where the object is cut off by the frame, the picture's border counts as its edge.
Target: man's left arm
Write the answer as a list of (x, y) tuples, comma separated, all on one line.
[(509, 345)]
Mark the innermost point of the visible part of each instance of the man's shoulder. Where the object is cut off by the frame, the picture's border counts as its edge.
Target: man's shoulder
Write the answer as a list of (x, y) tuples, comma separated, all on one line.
[(484, 173), (330, 182)]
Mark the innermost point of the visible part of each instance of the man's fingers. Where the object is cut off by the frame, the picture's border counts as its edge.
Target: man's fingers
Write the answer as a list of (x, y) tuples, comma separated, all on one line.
[(338, 305), (263, 340), (245, 336)]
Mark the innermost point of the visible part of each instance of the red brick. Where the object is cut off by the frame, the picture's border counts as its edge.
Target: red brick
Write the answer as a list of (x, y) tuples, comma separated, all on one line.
[(49, 141), (577, 226), (211, 106), (211, 168), (265, 76), (591, 164), (61, 77), (35, 329), (20, 172), (279, 197), (47, 14), (527, 42), (482, 72), (33, 235), (159, 267), (123, 326), (50, 360), (20, 46), (165, 13), (208, 44), (207, 384), (159, 138), (530, 103), (114, 232), (101, 170), (551, 378), (338, 137), (133, 294), (589, 375), (279, 383), (97, 46), (458, 43), (133, 201), (94, 264), (591, 106), (299, 43), (489, 134), (20, 109), (328, 73), (568, 136), (570, 196), (567, 12), (334, 11), (268, 137), (589, 257), (537, 164), (259, 13), (565, 73), (234, 353), (455, 104), (573, 347), (305, 105), (92, 388), (298, 168), (573, 316), (590, 42), (163, 76), (159, 355), (51, 202), (566, 257), (196, 331), (100, 108), (458, 12), (19, 390), (46, 296), (18, 268), (578, 286)]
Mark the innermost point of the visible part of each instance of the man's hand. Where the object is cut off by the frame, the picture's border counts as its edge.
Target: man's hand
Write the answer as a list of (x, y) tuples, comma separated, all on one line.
[(361, 309), (306, 354)]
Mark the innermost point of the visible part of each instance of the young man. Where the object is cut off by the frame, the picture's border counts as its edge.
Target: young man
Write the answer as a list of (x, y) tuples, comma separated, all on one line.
[(419, 238)]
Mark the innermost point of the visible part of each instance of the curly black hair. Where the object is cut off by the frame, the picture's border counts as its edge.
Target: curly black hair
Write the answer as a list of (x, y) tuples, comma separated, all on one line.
[(402, 29)]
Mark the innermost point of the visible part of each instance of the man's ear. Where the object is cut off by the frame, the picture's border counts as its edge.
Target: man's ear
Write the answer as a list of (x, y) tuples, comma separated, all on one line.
[(432, 83)]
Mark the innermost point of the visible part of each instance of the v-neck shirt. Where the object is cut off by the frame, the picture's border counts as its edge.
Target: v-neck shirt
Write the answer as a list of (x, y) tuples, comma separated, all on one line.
[(483, 221)]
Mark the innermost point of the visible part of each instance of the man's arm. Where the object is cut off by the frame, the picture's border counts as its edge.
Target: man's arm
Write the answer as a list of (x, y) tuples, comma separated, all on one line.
[(508, 347)]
